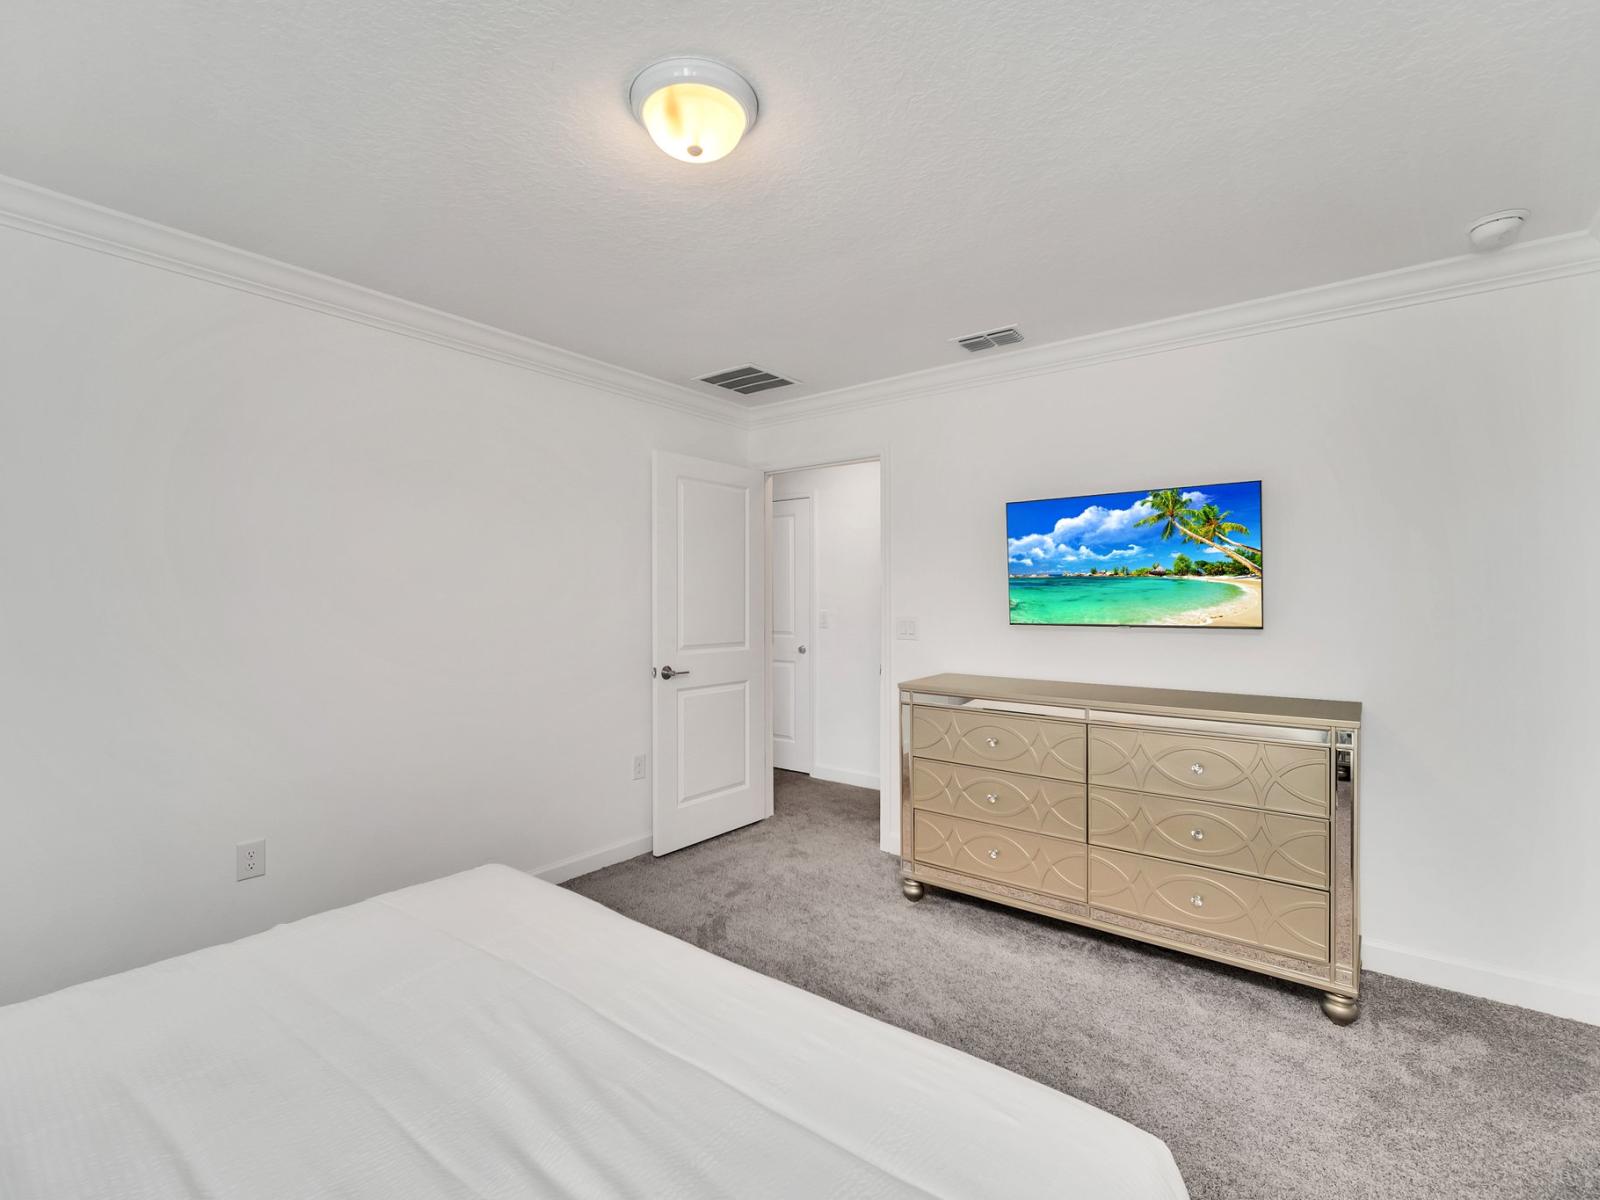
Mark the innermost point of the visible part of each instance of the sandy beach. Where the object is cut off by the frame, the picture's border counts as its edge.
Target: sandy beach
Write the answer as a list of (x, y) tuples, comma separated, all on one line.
[(1241, 612)]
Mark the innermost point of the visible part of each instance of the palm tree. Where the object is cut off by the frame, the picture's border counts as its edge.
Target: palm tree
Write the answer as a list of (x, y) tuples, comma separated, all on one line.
[(1213, 524), (1174, 514), (1170, 509)]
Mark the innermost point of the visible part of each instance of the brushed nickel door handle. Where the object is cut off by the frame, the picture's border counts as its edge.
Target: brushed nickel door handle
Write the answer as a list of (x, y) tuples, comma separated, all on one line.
[(802, 649), (669, 673)]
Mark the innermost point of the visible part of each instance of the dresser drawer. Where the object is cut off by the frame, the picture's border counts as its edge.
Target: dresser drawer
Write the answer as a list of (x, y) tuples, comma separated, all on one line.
[(1275, 916), (1025, 860), (1272, 845), (1002, 740), (1027, 802), (1286, 777)]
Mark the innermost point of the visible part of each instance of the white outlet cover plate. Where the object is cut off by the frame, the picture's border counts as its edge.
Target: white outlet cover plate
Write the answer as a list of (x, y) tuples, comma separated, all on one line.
[(250, 860)]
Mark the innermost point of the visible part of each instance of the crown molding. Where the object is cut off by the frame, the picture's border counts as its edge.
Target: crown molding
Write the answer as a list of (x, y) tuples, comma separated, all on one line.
[(61, 218), (48, 214), (1536, 262)]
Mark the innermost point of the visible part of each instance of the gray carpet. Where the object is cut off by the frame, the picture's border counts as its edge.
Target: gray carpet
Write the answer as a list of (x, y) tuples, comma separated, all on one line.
[(1430, 1095)]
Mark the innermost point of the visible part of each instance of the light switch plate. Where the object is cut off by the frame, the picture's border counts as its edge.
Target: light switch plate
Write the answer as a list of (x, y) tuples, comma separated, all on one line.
[(906, 629), (824, 618)]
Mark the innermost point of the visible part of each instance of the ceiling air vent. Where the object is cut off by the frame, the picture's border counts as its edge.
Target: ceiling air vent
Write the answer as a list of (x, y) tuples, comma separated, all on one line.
[(973, 342), (746, 380)]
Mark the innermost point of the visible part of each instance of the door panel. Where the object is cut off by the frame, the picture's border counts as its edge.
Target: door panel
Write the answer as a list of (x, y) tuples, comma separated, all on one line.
[(711, 753), (712, 606), (712, 756), (793, 713)]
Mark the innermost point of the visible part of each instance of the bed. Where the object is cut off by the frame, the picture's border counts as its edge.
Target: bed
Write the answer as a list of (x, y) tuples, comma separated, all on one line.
[(491, 1035)]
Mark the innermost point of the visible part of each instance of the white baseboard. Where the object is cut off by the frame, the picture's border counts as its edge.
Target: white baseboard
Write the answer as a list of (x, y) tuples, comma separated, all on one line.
[(863, 779), (1526, 991), (582, 864)]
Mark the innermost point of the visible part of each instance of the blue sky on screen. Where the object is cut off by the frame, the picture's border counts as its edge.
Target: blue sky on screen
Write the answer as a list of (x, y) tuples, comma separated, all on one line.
[(1084, 532)]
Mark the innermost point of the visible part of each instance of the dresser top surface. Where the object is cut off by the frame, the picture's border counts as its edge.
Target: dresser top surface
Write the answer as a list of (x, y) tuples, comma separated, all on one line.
[(1279, 709)]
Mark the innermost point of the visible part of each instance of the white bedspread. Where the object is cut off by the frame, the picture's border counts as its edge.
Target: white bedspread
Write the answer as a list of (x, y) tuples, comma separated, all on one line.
[(489, 1035)]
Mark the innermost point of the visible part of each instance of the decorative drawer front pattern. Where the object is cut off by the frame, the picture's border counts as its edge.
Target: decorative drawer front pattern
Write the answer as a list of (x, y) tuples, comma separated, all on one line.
[(1269, 844), (1285, 777), (1024, 860), (1274, 916), (988, 739), (1016, 801)]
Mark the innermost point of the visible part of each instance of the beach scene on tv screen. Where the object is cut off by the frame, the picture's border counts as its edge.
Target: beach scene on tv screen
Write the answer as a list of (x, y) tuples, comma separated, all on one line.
[(1168, 556)]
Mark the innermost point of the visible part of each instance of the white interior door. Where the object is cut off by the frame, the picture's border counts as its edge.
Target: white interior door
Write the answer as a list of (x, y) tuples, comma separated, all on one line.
[(792, 564), (711, 745)]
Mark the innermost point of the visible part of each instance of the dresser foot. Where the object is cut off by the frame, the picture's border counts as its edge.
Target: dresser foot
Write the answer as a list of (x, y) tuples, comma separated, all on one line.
[(914, 891), (1341, 1010)]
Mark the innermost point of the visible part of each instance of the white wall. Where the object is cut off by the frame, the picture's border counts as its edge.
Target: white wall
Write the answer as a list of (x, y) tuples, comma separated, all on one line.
[(848, 551), (269, 573), (1429, 474)]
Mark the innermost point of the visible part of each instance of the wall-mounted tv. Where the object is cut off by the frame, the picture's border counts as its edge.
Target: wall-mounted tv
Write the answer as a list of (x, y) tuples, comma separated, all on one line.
[(1166, 556)]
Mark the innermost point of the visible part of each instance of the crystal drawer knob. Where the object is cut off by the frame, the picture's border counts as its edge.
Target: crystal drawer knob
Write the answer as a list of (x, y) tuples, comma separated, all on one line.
[(1198, 901), (991, 798), (994, 854), (1197, 769), (991, 742), (1198, 835)]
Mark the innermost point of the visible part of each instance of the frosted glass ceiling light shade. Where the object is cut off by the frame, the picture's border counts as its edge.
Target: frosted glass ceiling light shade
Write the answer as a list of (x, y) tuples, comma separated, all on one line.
[(694, 109)]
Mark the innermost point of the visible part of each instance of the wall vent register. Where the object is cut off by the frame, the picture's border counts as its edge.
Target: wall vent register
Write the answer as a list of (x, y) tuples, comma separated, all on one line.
[(1223, 826), (973, 342), (746, 380)]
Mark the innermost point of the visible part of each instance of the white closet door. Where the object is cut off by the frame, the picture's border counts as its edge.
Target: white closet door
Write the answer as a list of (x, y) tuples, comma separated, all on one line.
[(793, 718)]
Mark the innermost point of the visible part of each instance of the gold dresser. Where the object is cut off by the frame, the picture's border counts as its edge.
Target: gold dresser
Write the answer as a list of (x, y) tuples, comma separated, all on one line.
[(1219, 825)]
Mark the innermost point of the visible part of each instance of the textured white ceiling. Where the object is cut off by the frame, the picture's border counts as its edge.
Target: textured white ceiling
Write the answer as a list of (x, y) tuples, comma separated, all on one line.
[(922, 168)]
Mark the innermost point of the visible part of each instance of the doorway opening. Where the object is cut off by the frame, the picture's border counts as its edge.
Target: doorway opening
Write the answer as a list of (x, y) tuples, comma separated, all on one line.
[(826, 577)]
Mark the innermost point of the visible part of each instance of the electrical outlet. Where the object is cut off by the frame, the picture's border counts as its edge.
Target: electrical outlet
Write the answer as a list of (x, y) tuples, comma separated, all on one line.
[(250, 859), (638, 766), (906, 629)]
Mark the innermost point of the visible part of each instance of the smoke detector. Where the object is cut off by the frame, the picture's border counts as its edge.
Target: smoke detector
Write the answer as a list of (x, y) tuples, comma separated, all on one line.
[(1497, 229)]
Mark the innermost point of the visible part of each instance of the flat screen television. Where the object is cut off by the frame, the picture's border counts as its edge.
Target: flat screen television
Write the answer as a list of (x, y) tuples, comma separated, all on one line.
[(1186, 556)]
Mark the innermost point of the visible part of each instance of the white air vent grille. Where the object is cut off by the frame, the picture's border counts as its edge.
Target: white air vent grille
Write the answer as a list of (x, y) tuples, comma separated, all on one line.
[(746, 380), (973, 342)]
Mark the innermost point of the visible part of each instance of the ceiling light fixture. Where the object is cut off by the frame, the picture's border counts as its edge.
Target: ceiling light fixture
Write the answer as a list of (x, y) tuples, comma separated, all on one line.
[(694, 109)]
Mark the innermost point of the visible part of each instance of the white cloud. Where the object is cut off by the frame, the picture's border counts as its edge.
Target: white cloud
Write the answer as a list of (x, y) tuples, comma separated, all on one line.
[(1038, 558), (1073, 538), (1098, 523)]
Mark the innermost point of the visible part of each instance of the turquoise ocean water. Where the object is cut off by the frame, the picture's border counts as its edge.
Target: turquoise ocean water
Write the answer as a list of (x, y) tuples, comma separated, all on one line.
[(1111, 601)]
